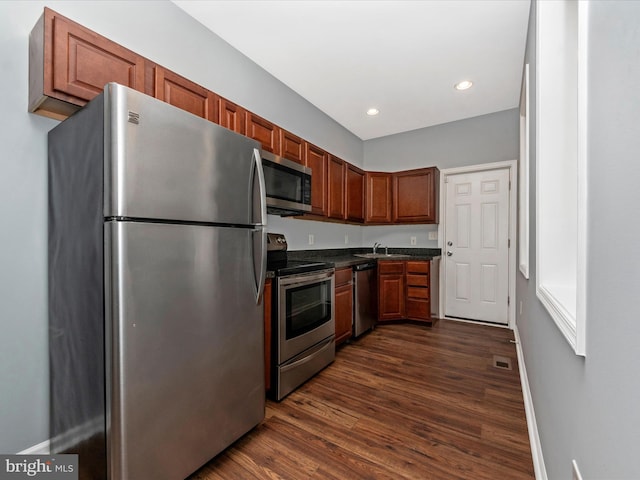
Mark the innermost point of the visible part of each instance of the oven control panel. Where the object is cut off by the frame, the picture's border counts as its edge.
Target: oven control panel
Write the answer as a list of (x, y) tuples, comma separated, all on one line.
[(276, 242)]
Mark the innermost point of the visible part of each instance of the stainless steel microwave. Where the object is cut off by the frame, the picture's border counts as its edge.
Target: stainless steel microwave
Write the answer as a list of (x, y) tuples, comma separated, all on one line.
[(288, 185)]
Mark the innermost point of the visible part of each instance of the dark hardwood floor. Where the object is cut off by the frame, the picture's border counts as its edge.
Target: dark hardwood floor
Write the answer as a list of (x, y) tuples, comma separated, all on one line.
[(404, 401)]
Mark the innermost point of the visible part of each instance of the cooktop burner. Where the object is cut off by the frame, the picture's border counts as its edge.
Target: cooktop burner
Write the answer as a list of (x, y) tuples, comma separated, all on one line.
[(281, 265)]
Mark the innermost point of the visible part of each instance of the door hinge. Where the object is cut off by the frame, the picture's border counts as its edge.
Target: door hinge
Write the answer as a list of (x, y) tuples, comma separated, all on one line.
[(508, 300), (509, 243), (509, 184)]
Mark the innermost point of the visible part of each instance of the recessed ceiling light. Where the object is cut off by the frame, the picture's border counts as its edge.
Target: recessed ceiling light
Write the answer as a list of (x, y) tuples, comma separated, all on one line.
[(463, 85), (372, 112)]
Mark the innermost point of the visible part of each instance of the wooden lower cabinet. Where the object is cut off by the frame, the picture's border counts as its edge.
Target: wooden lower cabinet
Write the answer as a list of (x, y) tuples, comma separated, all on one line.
[(267, 333), (417, 297), (403, 291), (343, 304), (390, 291)]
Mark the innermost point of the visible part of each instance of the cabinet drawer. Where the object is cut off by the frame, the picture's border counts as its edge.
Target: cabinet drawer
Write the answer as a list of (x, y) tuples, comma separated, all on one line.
[(390, 267), (418, 292), (343, 276), (417, 267), (418, 280), (418, 309)]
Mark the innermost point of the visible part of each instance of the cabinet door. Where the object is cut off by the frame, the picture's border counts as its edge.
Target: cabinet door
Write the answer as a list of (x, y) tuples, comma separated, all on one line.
[(231, 116), (355, 194), (80, 62), (264, 131), (267, 333), (337, 175), (344, 312), (390, 297), (378, 197), (184, 94), (291, 146), (415, 196), (316, 159)]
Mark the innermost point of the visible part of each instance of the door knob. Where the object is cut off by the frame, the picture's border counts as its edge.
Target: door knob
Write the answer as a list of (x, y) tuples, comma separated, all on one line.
[(449, 253)]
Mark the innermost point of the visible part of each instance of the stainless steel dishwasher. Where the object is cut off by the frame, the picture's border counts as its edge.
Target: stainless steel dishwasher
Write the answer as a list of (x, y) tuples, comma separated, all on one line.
[(365, 305)]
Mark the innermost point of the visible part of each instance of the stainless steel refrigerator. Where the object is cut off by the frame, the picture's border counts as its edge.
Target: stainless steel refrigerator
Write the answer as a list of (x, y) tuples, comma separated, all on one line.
[(157, 261)]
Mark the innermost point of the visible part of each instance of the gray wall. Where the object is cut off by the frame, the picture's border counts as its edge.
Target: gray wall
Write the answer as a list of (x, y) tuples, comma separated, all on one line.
[(587, 408), (483, 139)]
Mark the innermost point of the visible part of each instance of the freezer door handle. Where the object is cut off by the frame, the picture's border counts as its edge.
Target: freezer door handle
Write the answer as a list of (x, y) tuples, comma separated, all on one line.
[(260, 260), (262, 191)]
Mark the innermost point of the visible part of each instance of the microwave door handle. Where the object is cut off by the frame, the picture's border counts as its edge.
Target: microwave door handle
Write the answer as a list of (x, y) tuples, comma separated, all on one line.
[(258, 172)]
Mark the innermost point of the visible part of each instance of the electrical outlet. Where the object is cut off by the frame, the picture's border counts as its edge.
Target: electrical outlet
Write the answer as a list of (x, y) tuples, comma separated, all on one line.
[(346, 239), (576, 473), (312, 239), (413, 240), (433, 235)]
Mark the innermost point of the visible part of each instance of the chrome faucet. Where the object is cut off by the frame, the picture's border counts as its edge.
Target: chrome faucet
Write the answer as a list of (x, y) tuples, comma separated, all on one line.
[(375, 247)]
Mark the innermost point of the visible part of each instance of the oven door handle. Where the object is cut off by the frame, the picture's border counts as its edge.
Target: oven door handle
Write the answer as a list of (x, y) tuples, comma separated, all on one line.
[(305, 279), (307, 358)]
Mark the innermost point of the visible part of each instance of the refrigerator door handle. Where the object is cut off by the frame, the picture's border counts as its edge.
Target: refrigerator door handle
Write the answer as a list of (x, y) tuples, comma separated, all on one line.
[(262, 191), (260, 236)]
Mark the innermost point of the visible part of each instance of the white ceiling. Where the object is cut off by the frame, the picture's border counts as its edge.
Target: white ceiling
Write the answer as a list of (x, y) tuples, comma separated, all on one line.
[(402, 57)]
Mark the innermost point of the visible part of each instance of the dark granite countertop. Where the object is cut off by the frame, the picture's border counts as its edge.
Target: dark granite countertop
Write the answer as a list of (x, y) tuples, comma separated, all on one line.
[(344, 257)]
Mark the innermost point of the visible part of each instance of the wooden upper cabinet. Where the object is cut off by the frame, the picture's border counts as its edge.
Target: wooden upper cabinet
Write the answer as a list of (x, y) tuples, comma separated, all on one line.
[(231, 116), (184, 94), (415, 196), (378, 197), (354, 195), (291, 146), (264, 131), (70, 63), (337, 175), (317, 160)]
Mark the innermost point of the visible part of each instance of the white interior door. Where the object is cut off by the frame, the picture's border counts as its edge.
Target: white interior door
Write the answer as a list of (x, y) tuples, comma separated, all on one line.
[(476, 249)]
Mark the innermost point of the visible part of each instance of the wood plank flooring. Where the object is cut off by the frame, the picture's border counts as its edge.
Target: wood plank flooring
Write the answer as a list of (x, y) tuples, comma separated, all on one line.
[(404, 401)]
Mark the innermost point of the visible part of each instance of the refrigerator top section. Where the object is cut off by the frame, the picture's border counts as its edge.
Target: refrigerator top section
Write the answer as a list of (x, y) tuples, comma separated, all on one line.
[(162, 163)]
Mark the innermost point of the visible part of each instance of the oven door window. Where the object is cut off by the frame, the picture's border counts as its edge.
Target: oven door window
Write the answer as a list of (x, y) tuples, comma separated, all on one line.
[(308, 307)]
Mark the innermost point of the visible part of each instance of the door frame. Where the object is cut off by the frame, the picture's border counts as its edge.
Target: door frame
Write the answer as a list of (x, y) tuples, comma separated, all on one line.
[(512, 166)]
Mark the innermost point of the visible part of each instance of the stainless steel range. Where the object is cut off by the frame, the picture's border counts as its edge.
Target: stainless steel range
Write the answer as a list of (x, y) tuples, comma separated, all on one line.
[(303, 317)]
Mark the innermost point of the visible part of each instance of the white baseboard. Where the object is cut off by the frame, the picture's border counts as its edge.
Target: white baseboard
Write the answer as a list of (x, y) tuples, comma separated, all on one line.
[(67, 439), (534, 437), (42, 448)]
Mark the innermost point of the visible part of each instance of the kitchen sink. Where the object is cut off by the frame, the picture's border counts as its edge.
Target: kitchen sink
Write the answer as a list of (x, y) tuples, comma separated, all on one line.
[(380, 255)]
